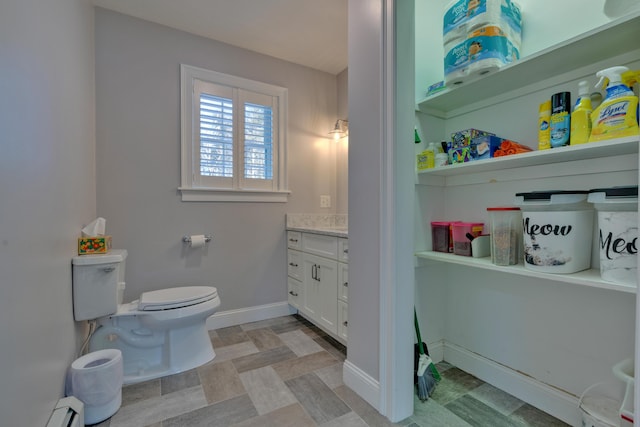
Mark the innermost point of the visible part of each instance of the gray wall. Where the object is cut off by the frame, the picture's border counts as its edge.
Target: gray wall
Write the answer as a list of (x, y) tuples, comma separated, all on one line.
[(47, 192), (138, 163)]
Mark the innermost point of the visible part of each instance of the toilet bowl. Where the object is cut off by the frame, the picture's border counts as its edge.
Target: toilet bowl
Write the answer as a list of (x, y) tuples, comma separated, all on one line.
[(157, 341), (161, 333)]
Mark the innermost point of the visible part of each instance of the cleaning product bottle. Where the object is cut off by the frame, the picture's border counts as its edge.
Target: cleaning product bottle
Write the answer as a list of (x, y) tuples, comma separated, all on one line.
[(544, 128), (430, 152), (581, 116), (617, 116), (416, 137), (560, 119)]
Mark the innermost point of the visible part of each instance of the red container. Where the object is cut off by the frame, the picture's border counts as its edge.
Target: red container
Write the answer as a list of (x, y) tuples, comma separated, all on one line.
[(461, 243), (441, 236)]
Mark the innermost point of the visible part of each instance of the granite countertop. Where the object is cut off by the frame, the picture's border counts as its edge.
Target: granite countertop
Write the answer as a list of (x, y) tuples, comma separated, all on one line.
[(327, 224)]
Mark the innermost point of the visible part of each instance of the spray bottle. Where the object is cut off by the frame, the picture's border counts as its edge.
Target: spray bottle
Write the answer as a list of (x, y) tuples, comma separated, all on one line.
[(617, 116), (581, 116)]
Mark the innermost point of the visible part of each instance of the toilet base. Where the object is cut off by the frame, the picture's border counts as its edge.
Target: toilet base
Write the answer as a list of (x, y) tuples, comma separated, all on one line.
[(157, 353)]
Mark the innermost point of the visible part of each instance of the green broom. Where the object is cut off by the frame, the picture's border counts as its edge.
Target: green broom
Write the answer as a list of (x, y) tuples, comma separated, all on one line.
[(427, 372)]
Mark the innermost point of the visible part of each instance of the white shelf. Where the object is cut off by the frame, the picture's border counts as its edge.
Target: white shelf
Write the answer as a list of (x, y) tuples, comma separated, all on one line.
[(589, 278), (612, 39), (594, 150)]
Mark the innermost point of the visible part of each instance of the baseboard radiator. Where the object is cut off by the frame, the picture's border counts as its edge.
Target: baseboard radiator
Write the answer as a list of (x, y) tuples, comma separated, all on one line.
[(69, 412)]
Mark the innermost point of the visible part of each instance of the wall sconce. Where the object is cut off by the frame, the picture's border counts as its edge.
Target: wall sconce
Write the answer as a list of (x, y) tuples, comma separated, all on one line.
[(340, 130)]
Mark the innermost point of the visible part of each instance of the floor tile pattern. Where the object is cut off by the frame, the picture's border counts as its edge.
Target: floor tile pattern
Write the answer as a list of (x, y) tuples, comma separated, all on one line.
[(285, 372)]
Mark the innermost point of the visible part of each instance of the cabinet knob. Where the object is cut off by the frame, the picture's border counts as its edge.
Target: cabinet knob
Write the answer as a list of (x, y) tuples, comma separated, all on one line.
[(345, 284), (293, 293), (293, 240), (345, 323), (293, 264)]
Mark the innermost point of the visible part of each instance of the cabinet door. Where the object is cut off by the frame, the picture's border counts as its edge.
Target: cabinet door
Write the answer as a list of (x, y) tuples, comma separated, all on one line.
[(319, 244), (294, 264), (343, 281), (343, 250), (320, 293), (294, 292), (343, 319), (294, 239)]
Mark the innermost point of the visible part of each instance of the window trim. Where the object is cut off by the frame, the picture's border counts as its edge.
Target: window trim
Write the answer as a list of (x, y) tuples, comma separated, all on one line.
[(194, 193)]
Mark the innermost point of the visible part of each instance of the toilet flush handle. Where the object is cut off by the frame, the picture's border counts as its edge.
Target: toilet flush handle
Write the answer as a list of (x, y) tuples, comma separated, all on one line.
[(108, 269)]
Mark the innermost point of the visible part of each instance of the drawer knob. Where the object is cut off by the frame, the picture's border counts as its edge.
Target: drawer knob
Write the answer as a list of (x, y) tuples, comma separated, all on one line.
[(345, 323), (345, 284)]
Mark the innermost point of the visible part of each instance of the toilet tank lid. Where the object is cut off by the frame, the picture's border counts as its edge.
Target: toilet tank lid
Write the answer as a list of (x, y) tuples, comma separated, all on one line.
[(115, 255)]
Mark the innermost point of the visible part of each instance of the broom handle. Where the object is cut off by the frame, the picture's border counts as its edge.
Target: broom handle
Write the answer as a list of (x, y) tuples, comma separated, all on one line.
[(415, 320)]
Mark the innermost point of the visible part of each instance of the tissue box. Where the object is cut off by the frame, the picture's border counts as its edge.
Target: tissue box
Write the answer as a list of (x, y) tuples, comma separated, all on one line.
[(483, 147), (94, 245), (463, 138)]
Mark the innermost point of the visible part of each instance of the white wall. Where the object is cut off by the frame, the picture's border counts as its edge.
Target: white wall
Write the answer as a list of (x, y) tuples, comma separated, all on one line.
[(47, 192), (138, 163), (342, 148)]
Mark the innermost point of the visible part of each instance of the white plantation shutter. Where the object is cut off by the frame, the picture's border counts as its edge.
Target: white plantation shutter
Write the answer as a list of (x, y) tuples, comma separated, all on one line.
[(232, 139)]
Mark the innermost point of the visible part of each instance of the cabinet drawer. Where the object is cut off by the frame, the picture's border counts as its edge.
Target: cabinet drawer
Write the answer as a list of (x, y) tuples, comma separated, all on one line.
[(294, 264), (294, 288), (343, 250), (294, 239), (343, 281), (343, 319), (319, 244)]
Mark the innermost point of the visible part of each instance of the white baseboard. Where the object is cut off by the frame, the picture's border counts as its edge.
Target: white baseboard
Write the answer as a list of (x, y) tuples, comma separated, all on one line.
[(239, 316), (362, 383), (548, 399)]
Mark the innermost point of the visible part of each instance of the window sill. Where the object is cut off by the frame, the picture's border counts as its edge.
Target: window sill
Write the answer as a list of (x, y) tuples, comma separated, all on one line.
[(214, 195)]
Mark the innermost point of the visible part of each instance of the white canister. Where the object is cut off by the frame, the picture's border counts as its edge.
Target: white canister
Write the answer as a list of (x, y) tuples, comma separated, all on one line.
[(557, 230), (617, 233)]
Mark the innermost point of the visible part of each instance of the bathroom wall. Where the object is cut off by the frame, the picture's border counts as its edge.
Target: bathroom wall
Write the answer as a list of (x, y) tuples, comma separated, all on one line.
[(342, 148), (138, 163), (47, 191)]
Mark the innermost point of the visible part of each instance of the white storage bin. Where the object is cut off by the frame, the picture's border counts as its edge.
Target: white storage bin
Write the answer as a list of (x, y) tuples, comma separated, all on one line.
[(617, 233), (557, 230)]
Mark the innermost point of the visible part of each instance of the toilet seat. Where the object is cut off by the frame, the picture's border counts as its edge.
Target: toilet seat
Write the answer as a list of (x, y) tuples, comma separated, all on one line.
[(172, 298)]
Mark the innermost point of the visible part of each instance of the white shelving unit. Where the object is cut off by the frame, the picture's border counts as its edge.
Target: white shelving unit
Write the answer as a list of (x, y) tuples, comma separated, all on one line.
[(472, 315)]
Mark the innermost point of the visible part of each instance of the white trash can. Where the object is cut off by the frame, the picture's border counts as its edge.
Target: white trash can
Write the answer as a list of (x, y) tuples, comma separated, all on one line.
[(96, 379)]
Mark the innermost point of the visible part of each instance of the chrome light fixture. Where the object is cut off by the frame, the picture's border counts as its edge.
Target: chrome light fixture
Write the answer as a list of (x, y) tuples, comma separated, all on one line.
[(340, 130)]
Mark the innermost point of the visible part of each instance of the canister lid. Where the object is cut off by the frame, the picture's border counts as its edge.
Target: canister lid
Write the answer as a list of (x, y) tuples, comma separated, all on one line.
[(504, 208), (629, 192)]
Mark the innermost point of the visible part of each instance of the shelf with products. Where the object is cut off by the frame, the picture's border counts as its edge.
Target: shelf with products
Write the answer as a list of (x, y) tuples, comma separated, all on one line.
[(607, 41), (589, 278), (461, 174)]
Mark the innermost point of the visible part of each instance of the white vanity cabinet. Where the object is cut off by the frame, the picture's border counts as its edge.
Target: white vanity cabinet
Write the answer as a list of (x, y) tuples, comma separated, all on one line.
[(317, 279)]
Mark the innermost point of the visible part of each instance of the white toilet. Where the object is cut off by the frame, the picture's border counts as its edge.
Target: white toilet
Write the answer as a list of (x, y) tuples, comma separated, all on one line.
[(161, 333)]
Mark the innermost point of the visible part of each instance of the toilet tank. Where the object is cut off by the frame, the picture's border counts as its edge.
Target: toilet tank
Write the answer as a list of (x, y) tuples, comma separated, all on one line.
[(96, 280)]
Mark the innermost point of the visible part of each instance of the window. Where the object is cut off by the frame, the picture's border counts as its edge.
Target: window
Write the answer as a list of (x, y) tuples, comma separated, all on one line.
[(233, 138)]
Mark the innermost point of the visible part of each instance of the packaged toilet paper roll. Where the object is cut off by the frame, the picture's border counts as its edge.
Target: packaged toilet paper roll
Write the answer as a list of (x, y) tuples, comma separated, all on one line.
[(489, 50), (456, 61), (454, 20)]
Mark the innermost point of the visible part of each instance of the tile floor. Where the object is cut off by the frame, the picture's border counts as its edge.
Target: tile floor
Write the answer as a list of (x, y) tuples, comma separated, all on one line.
[(285, 372)]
